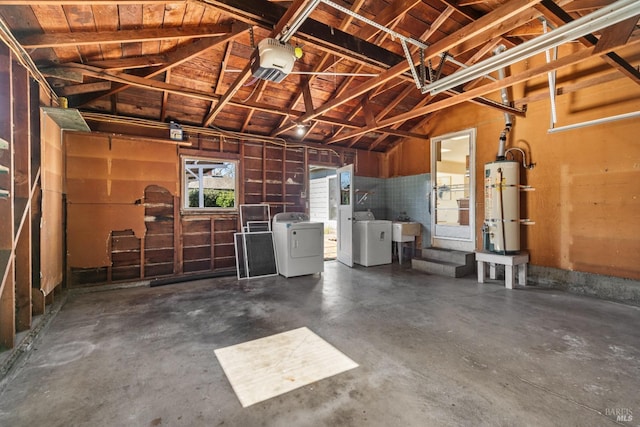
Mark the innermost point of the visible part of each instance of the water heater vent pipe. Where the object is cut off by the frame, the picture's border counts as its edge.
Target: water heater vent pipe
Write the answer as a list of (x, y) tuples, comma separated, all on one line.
[(508, 123)]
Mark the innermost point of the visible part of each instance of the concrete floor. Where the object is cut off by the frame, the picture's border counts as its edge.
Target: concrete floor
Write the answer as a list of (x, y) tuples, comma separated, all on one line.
[(432, 352)]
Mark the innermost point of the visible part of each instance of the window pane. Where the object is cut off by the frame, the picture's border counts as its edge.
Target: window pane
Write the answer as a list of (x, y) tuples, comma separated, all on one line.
[(209, 184)]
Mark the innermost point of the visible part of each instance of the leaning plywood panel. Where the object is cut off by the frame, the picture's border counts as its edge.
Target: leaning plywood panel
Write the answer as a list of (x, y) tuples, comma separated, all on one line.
[(51, 235)]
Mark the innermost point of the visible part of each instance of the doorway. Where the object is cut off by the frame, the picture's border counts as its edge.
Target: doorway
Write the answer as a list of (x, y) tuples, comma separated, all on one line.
[(323, 205), (453, 190)]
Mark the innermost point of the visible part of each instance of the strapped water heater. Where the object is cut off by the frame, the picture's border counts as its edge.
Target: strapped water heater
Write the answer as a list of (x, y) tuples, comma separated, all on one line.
[(502, 207)]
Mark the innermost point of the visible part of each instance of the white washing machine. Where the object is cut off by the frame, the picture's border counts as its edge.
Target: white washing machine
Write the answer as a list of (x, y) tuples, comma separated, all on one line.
[(299, 244), (371, 240)]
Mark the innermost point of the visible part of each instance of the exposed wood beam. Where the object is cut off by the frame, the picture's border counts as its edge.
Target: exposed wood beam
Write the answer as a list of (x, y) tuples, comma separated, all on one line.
[(402, 133), (156, 85), (65, 74), (581, 5), (223, 68), (568, 60), (382, 114), (123, 36), (262, 85), (308, 98), (165, 97), (369, 117), (570, 88), (560, 17), (266, 14), (131, 63), (324, 63), (84, 2), (617, 34), (435, 25), (84, 88), (496, 32), (531, 28), (186, 53), (384, 18), (128, 79), (483, 25)]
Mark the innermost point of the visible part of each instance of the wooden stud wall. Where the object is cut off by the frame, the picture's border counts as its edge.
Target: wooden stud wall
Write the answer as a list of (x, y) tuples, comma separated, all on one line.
[(19, 196), (7, 277)]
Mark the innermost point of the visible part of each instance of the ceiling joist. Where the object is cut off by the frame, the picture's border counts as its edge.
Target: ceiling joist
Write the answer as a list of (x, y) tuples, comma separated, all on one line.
[(35, 41)]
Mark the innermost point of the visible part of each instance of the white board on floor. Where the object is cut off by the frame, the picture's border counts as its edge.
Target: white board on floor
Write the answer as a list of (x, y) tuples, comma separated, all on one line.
[(267, 367)]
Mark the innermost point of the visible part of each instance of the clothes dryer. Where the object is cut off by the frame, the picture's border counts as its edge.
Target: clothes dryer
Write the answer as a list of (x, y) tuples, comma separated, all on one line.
[(299, 244)]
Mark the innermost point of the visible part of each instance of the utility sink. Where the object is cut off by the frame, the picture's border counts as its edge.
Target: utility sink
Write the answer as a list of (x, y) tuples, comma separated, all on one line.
[(405, 231)]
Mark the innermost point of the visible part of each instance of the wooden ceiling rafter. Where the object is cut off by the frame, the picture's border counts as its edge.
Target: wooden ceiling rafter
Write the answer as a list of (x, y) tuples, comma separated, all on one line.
[(256, 95), (184, 54), (165, 97), (435, 26), (323, 63), (131, 63), (586, 5), (244, 75), (481, 26), (559, 16), (568, 60), (85, 2), (264, 14), (372, 112), (389, 17), (87, 38), (161, 86)]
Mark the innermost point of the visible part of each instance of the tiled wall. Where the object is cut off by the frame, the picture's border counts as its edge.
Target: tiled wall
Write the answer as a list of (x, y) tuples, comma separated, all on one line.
[(371, 193), (389, 198), (410, 194)]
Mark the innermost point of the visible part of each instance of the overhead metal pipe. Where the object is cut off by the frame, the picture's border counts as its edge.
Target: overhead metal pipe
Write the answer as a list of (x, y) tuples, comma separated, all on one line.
[(595, 122), (601, 18)]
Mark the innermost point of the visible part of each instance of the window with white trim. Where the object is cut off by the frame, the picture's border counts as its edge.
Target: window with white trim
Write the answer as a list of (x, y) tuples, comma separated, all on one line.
[(209, 184)]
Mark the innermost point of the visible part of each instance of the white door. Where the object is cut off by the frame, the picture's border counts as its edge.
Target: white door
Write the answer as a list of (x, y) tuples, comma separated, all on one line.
[(453, 190), (345, 215)]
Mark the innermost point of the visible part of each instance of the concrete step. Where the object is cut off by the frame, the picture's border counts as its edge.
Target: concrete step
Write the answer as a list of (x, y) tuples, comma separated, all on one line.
[(448, 255), (442, 268)]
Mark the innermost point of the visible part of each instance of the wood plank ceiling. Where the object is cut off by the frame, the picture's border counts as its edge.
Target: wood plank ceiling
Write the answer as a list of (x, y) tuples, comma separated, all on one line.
[(188, 61)]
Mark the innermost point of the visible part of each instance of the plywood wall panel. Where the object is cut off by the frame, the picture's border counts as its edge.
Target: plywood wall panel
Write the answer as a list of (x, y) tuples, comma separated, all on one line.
[(89, 230)]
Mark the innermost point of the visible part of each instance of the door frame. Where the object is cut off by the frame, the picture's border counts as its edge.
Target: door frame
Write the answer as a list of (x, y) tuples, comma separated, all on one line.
[(454, 237), (345, 217)]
